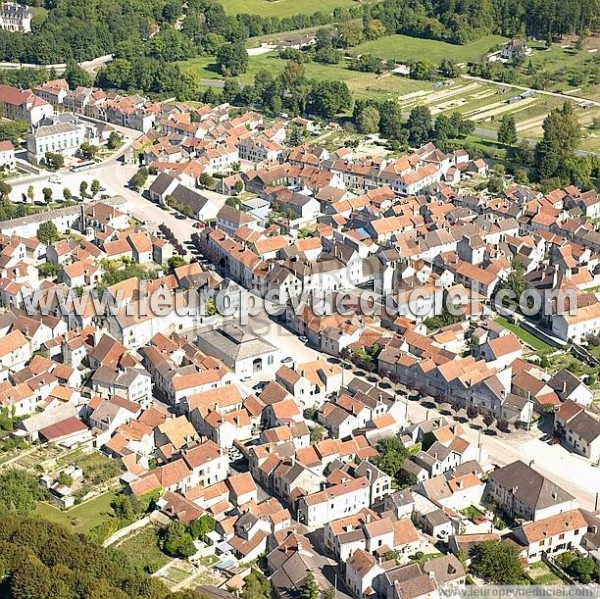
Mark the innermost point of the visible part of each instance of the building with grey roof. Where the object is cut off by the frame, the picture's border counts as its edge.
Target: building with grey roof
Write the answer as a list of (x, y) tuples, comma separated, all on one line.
[(521, 492), (245, 353), (15, 17), (58, 137)]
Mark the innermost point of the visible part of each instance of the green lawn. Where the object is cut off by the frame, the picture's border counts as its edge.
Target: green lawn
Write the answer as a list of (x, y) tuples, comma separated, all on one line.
[(404, 48), (473, 513), (283, 8), (142, 550), (80, 518), (525, 336), (205, 67), (360, 84), (555, 57), (540, 573)]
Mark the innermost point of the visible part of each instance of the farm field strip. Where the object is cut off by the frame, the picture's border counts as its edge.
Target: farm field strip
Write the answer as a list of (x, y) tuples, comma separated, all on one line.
[(531, 123), (510, 108)]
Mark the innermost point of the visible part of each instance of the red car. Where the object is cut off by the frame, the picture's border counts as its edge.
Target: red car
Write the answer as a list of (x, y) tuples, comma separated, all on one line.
[(554, 441), (199, 225)]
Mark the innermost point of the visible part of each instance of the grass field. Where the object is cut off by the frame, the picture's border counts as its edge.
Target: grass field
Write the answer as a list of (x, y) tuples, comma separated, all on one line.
[(361, 84), (404, 48), (282, 8), (525, 336), (80, 518), (142, 550)]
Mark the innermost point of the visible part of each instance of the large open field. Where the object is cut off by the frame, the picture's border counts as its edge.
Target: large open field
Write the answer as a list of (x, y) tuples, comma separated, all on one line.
[(80, 518), (404, 48), (484, 103), (361, 84), (282, 8)]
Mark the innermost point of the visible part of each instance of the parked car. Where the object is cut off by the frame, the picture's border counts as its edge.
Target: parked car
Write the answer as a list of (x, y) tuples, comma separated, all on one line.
[(259, 386), (287, 360), (303, 339), (554, 441)]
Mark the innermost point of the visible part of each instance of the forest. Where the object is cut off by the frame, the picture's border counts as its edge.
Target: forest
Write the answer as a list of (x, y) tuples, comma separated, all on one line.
[(164, 31), (41, 559)]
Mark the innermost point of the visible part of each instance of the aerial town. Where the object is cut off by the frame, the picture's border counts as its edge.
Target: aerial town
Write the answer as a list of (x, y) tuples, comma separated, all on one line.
[(259, 353)]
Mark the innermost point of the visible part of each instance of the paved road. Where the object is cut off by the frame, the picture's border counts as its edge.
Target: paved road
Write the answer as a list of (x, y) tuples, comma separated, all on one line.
[(89, 65), (576, 474)]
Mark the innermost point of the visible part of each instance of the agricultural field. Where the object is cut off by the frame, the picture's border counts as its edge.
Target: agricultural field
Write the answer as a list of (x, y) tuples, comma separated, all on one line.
[(404, 48), (283, 8), (486, 103)]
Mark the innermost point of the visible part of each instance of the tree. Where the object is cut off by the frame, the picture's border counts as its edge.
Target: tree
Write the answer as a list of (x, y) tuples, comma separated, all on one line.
[(374, 29), (30, 193), (515, 281), (406, 480), (419, 125), (232, 59), (449, 68), (257, 586), (350, 33), (507, 130), (83, 189), (12, 131), (47, 233), (495, 184), (316, 434), (390, 121), (76, 76), (95, 187), (584, 569), (310, 590), (88, 150), (488, 419), (114, 140), (472, 412), (202, 526), (175, 262), (177, 542), (497, 562), (19, 491), (5, 190), (328, 98), (422, 70), (391, 455), (460, 126), (368, 120), (206, 180), (54, 160), (561, 133), (47, 193)]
